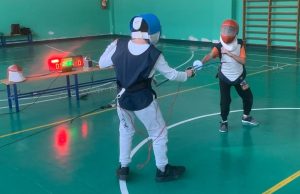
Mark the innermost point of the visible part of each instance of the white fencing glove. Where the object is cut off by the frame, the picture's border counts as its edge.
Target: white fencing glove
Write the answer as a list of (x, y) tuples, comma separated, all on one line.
[(197, 65)]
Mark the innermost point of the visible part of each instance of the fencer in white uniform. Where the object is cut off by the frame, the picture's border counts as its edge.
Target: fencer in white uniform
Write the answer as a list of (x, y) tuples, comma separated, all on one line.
[(135, 61)]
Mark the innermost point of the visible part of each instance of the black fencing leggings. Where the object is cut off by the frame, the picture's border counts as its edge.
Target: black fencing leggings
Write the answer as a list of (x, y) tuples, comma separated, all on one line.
[(225, 101)]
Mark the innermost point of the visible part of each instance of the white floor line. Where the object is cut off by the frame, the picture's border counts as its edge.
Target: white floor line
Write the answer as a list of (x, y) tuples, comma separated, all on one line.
[(123, 185), (57, 49)]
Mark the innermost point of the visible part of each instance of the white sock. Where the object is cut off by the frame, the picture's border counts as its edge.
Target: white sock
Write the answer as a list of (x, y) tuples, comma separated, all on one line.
[(161, 168)]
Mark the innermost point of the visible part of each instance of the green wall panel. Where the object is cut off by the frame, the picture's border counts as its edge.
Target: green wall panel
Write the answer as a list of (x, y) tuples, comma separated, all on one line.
[(181, 20), (56, 19)]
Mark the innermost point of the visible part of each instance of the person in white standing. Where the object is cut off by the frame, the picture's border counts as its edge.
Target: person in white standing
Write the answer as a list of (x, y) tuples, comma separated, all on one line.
[(135, 61)]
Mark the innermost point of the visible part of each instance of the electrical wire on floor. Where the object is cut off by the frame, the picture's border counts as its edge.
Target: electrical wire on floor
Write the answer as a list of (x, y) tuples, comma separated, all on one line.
[(112, 104), (35, 100), (107, 106), (48, 128), (168, 117)]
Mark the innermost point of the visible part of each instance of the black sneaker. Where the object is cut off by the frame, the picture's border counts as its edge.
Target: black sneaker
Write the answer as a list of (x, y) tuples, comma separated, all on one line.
[(223, 127), (171, 173), (123, 173), (249, 121)]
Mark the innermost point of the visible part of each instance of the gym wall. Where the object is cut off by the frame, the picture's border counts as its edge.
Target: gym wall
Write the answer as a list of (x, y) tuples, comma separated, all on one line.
[(59, 19), (183, 20), (56, 19)]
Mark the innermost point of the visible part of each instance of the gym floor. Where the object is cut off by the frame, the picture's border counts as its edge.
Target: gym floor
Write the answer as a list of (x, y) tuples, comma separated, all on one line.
[(58, 145)]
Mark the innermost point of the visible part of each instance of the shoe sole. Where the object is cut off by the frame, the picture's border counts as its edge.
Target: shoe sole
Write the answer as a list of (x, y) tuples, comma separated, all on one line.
[(223, 131), (170, 178), (166, 179), (249, 123)]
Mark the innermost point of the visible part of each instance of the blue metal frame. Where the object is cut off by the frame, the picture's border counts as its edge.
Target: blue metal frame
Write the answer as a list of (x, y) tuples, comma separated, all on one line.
[(16, 96), (76, 86), (2, 39), (68, 86), (9, 96), (16, 39)]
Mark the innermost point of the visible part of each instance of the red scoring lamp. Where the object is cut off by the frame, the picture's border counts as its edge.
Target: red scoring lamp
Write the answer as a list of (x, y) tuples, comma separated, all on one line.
[(54, 64), (78, 61), (65, 64)]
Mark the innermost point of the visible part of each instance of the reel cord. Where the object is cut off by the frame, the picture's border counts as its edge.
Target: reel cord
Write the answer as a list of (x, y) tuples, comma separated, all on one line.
[(36, 99), (150, 145), (170, 112), (110, 105), (207, 65)]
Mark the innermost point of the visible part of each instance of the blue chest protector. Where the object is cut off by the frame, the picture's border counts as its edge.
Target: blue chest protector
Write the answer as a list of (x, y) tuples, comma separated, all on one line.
[(132, 73)]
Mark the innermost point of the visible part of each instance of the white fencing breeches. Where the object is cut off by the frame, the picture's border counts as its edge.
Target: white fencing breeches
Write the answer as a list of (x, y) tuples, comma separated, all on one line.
[(153, 121)]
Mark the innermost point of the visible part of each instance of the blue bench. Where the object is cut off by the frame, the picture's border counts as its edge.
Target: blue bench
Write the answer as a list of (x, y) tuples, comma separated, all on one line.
[(15, 38), (13, 95)]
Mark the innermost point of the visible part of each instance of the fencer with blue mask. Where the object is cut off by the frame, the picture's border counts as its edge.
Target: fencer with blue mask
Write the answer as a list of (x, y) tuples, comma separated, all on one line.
[(135, 61)]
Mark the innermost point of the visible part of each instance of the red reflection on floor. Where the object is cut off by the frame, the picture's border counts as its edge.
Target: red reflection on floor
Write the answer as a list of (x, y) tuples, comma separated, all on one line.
[(84, 129), (62, 141)]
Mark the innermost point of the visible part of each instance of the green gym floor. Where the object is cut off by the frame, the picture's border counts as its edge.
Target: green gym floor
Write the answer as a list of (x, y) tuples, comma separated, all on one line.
[(61, 146)]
